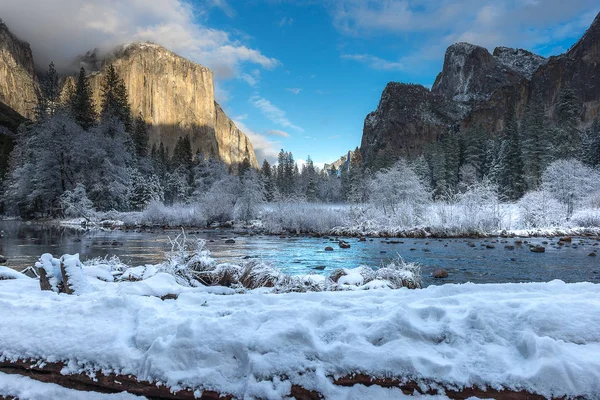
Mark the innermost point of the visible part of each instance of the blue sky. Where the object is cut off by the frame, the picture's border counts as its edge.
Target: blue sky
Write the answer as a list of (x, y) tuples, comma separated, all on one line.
[(335, 59), (301, 75)]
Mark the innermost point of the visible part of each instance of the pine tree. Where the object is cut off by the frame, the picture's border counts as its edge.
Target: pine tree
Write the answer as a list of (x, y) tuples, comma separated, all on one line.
[(182, 153), (567, 137), (140, 137), (244, 167), (358, 188), (535, 146), (311, 180), (590, 145), (81, 102), (475, 151), (510, 158), (452, 155), (115, 102), (266, 174), (48, 95)]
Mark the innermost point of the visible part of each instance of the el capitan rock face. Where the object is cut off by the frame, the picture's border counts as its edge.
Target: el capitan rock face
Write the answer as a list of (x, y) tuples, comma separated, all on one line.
[(18, 81), (176, 98), (474, 89)]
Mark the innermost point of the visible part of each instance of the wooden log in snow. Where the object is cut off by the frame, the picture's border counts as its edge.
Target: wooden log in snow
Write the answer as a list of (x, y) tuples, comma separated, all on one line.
[(51, 373)]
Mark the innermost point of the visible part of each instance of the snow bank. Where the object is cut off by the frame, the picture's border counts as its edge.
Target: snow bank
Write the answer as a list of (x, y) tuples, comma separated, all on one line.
[(540, 337), (7, 273)]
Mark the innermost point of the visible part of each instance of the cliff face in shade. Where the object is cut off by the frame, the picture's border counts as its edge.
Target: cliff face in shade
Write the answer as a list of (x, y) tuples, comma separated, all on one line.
[(233, 144), (407, 118), (475, 88), (176, 98), (18, 81)]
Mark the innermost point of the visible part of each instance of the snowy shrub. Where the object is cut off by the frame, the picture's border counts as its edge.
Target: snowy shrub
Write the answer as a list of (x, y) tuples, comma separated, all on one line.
[(145, 190), (570, 181), (398, 191), (251, 196), (539, 210), (592, 200), (76, 204), (299, 217), (481, 209), (218, 203), (587, 218), (157, 214)]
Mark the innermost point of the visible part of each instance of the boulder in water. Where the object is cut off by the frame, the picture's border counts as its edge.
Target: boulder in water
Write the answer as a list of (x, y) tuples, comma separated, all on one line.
[(440, 273)]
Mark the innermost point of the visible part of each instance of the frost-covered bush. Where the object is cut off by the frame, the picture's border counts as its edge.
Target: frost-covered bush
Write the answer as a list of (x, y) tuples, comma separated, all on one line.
[(76, 204), (570, 181), (157, 214), (480, 207), (587, 218), (301, 217), (539, 209), (218, 203), (251, 196), (399, 192)]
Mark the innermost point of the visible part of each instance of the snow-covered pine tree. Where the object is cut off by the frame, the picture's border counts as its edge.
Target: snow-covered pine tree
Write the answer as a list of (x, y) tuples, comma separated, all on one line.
[(140, 137), (510, 177), (590, 145), (567, 137), (266, 175), (536, 149)]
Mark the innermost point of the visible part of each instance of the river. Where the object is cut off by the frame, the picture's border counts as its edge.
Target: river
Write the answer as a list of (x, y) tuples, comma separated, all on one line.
[(466, 260)]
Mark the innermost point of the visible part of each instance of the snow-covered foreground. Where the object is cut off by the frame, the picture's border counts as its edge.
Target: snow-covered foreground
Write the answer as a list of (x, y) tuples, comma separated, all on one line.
[(540, 337)]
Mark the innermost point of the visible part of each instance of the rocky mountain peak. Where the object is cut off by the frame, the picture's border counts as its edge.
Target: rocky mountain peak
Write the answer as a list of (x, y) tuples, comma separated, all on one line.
[(471, 73), (474, 89), (519, 60)]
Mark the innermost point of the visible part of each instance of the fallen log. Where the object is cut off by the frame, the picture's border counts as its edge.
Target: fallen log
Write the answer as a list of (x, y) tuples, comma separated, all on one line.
[(112, 383)]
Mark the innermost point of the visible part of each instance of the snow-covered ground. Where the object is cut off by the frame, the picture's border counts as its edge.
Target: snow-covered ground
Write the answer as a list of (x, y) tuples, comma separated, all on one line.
[(540, 337)]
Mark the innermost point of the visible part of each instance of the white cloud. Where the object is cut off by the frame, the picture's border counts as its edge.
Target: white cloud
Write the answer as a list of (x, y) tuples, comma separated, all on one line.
[(530, 24), (249, 79), (276, 132), (295, 91), (223, 6), (60, 30), (273, 113), (264, 148), (375, 62)]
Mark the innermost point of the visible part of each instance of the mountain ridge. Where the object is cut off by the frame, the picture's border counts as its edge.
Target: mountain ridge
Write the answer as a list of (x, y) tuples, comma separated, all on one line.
[(481, 86)]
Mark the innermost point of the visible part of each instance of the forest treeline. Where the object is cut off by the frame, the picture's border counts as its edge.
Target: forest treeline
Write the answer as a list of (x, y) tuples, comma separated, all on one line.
[(71, 159)]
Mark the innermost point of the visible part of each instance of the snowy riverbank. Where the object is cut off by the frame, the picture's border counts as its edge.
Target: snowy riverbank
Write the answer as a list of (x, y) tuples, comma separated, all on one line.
[(151, 323)]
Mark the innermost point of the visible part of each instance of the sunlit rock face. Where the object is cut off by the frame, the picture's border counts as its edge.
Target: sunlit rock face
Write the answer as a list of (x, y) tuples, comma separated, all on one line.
[(18, 82), (474, 89), (176, 98)]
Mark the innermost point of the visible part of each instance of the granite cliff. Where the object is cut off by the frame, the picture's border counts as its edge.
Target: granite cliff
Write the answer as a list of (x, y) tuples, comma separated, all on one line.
[(474, 88), (18, 82), (174, 95), (176, 98)]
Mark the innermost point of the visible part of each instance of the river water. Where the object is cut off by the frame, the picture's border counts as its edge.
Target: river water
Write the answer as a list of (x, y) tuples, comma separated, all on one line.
[(466, 260)]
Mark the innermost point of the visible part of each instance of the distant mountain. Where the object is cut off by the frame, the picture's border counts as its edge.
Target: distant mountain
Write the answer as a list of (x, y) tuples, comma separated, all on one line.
[(340, 163), (474, 89)]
